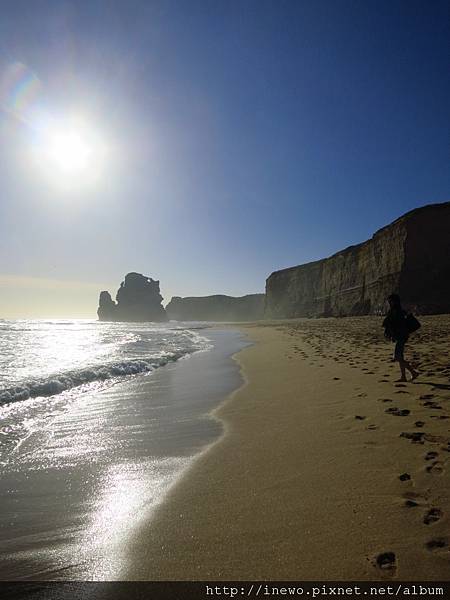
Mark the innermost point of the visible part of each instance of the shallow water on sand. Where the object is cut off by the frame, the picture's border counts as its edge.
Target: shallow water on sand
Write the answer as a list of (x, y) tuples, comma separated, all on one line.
[(75, 489)]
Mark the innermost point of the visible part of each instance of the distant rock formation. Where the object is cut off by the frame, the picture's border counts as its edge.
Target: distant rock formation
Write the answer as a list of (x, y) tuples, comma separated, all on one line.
[(216, 308), (411, 257), (107, 308), (138, 299)]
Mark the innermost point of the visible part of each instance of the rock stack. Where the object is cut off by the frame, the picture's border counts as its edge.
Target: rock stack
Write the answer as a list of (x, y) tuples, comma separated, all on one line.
[(138, 299)]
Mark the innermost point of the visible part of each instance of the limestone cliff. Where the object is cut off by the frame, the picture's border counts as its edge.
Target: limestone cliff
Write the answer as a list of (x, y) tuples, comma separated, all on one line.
[(138, 299), (411, 257), (216, 308)]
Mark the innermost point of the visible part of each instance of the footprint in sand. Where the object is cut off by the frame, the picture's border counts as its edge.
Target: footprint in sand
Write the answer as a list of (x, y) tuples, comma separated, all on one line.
[(360, 417), (416, 437), (432, 516), (411, 503), (433, 405), (398, 412), (431, 455), (404, 477), (413, 500), (419, 423), (372, 427), (386, 562), (400, 385), (385, 400), (437, 544), (436, 468)]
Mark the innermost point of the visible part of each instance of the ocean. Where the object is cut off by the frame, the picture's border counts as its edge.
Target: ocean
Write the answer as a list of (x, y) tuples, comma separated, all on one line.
[(97, 422)]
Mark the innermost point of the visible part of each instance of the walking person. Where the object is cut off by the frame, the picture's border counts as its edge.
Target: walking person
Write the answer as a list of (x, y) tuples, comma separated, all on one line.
[(397, 327)]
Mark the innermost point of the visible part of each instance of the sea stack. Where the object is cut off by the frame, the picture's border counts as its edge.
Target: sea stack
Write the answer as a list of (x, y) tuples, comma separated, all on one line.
[(138, 299), (409, 257)]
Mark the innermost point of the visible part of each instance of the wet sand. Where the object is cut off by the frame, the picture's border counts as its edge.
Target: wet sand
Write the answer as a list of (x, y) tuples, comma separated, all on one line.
[(327, 469), (75, 489)]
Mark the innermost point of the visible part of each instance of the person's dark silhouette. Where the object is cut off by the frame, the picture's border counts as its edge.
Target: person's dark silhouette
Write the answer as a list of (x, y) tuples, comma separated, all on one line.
[(395, 329)]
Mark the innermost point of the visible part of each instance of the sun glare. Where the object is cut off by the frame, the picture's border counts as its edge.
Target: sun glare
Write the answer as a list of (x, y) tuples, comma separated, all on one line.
[(70, 154)]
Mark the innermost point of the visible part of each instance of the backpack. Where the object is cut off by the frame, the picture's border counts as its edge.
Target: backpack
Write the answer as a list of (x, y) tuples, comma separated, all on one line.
[(412, 324)]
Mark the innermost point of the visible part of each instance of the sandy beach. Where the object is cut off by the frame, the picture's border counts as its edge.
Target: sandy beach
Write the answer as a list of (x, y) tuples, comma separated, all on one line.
[(327, 468)]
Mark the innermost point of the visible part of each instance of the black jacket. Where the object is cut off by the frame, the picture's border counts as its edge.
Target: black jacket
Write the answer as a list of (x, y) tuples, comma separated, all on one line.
[(395, 327)]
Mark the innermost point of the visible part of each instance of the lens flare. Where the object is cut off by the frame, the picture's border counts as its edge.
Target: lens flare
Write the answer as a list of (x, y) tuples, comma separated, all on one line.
[(65, 147), (19, 91)]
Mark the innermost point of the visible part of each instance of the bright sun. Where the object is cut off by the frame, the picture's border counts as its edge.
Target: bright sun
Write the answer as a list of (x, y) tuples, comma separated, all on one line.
[(70, 154)]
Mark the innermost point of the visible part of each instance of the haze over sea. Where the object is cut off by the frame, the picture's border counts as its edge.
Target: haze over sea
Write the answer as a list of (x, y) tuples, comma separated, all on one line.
[(93, 433)]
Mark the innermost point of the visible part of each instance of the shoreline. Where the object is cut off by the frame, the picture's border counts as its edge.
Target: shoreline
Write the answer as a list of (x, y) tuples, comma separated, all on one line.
[(304, 482), (76, 490)]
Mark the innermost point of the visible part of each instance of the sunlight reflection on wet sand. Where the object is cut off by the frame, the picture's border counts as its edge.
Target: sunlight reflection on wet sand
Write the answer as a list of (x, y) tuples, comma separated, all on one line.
[(127, 492), (75, 490)]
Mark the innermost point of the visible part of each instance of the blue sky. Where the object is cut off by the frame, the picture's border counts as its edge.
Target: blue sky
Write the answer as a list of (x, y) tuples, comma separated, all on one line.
[(247, 136)]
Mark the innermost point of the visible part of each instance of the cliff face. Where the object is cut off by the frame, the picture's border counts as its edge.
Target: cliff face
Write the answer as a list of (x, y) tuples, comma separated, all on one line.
[(409, 257), (216, 308), (138, 299)]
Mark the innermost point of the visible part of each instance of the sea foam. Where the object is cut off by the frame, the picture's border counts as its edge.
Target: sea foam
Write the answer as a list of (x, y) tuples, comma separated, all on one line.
[(65, 381), (46, 358)]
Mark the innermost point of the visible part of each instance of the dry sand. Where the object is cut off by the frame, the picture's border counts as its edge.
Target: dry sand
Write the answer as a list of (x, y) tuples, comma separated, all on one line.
[(305, 482)]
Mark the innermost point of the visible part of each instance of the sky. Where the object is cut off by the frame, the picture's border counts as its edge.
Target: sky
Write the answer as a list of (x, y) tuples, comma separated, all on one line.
[(228, 139)]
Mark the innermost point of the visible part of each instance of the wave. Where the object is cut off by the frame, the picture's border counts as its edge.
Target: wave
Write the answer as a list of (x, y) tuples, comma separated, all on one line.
[(62, 382)]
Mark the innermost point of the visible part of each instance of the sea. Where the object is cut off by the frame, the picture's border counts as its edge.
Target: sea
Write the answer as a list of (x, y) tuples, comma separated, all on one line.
[(98, 422)]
